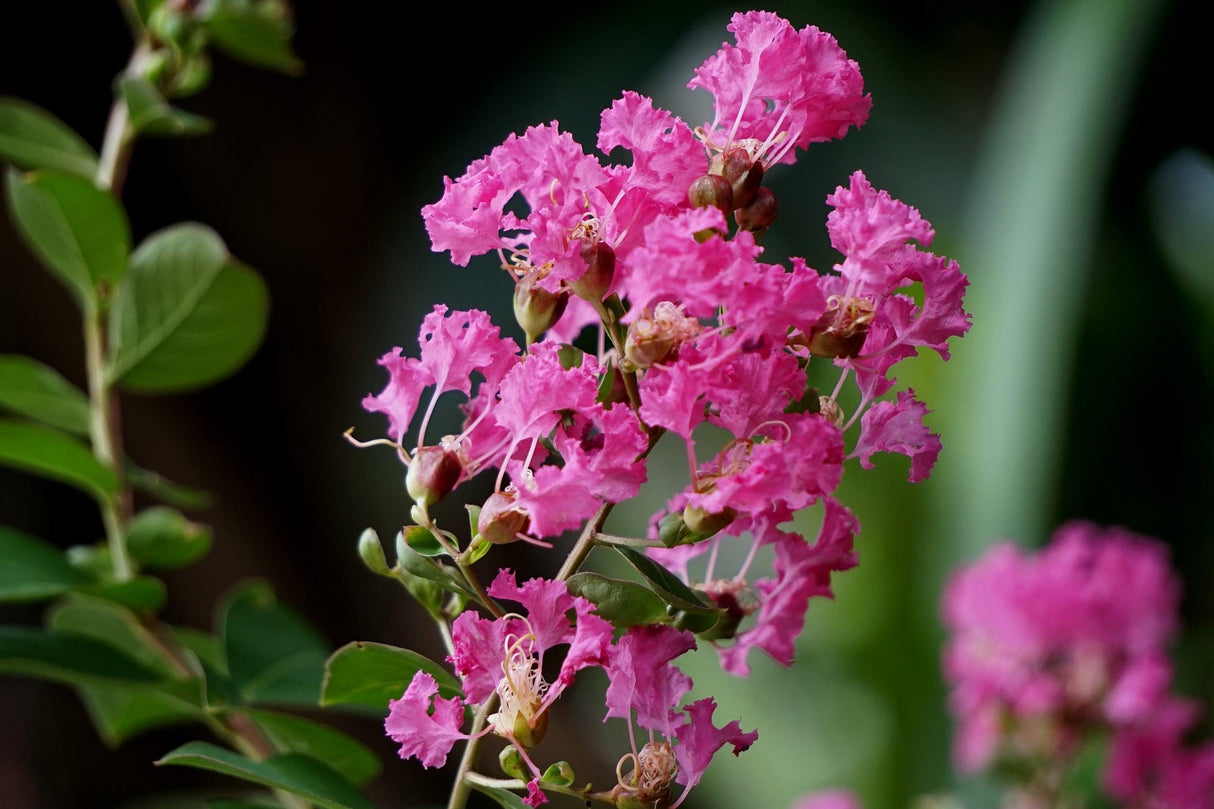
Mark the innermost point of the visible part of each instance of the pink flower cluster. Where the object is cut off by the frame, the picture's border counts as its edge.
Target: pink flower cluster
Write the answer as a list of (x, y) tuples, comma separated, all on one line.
[(693, 330), (1048, 649)]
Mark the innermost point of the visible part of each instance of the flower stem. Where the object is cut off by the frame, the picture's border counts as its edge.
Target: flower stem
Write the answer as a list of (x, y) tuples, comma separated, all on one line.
[(462, 788)]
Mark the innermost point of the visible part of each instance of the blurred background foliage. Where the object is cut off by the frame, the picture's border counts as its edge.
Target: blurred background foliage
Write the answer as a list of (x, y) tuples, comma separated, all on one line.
[(1060, 148)]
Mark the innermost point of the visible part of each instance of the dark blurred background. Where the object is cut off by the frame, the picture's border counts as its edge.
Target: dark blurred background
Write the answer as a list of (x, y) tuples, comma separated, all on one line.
[(1061, 149)]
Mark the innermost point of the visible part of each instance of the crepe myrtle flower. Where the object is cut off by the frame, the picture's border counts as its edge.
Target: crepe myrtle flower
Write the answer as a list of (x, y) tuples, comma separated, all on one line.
[(503, 657)]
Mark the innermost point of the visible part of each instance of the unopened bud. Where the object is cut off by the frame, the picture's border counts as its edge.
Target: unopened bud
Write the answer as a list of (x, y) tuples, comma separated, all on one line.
[(433, 473), (711, 190), (372, 553), (759, 214), (745, 176), (500, 520), (595, 283), (537, 309), (706, 524)]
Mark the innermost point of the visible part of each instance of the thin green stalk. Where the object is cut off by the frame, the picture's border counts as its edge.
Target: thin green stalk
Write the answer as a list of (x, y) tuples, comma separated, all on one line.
[(462, 789), (107, 445)]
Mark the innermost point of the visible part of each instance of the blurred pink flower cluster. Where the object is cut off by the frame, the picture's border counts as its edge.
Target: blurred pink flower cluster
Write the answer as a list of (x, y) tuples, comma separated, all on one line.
[(1049, 650)]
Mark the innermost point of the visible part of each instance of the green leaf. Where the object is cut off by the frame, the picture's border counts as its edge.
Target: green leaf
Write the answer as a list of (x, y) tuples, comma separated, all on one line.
[(150, 114), (292, 772), (257, 33), (121, 711), (66, 658), (78, 231), (423, 541), (32, 138), (503, 797), (52, 454), (371, 674), (272, 655), (162, 537), (354, 760), (144, 8), (623, 603), (164, 489), (143, 593), (108, 623), (242, 805), (33, 570), (187, 314), (37, 391), (667, 585), (426, 568)]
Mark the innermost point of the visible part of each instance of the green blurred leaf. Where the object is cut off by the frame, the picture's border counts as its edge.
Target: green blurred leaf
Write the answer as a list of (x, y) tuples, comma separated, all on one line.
[(144, 8), (426, 568), (150, 114), (371, 674), (623, 603), (120, 712), (109, 623), (33, 570), (164, 489), (354, 760), (52, 454), (186, 315), (292, 772), (68, 658), (78, 231), (242, 805), (257, 33), (37, 391), (423, 541), (272, 655), (32, 138), (667, 585), (143, 593), (162, 537)]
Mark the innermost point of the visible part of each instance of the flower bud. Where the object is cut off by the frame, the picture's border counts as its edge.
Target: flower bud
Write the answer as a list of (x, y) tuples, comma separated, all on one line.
[(701, 522), (537, 309), (372, 553), (595, 283), (711, 190), (759, 214), (433, 473), (744, 175), (725, 594), (500, 520)]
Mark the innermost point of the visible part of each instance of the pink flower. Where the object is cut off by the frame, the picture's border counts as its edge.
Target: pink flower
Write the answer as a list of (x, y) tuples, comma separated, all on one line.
[(644, 680), (898, 427), (832, 799), (423, 735), (699, 740), (780, 87)]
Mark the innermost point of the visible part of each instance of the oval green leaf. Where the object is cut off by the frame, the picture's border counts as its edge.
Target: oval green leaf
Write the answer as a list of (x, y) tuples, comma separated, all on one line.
[(79, 232), (162, 537), (67, 658), (258, 35), (33, 570), (272, 655), (37, 391), (186, 315), (666, 584), (52, 454), (32, 138), (371, 674), (623, 603), (150, 114), (293, 772), (354, 760)]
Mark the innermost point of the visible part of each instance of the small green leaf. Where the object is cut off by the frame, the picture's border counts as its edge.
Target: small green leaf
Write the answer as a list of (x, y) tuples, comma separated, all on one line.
[(108, 623), (150, 114), (623, 603), (503, 797), (667, 585), (293, 772), (33, 570), (37, 391), (371, 674), (423, 541), (32, 138), (272, 655), (426, 568), (354, 760), (52, 454), (162, 537), (186, 315), (66, 658), (559, 774), (142, 593), (164, 489), (121, 711), (78, 231), (257, 33), (371, 551), (144, 8)]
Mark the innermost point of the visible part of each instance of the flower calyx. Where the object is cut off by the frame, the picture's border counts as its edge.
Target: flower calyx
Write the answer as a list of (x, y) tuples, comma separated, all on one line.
[(647, 785), (501, 521), (535, 308), (842, 328)]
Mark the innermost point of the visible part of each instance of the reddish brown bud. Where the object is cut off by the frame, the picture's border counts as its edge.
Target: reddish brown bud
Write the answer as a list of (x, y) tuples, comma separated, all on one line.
[(711, 190), (759, 214), (500, 520), (433, 473), (595, 283), (745, 176)]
